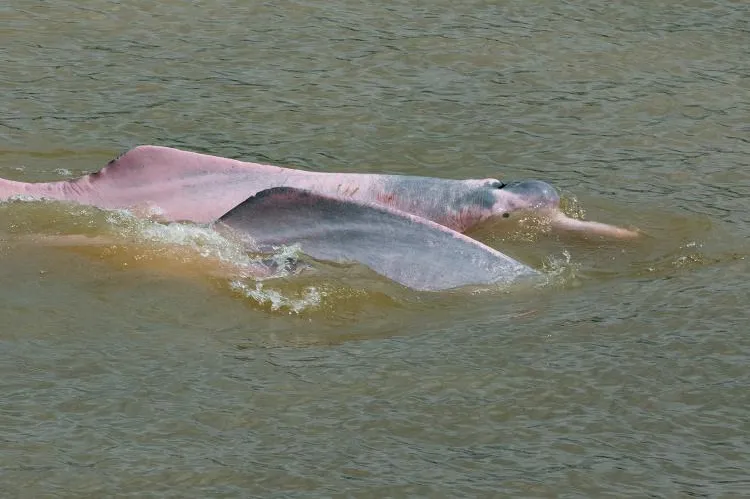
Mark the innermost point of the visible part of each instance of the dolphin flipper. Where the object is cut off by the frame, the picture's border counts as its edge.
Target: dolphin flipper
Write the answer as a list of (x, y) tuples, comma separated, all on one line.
[(408, 249)]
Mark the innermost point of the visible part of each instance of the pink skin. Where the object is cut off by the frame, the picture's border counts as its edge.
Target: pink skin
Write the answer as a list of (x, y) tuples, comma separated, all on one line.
[(560, 221), (175, 185)]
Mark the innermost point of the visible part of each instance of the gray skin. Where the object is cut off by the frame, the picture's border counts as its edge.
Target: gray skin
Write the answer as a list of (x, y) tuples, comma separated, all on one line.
[(408, 249), (461, 204)]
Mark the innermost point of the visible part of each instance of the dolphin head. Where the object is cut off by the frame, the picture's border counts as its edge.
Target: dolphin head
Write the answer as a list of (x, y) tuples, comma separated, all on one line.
[(521, 195), (494, 198), (461, 204)]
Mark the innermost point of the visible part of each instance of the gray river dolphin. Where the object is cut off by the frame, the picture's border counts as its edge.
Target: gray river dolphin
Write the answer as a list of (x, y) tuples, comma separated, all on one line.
[(406, 228)]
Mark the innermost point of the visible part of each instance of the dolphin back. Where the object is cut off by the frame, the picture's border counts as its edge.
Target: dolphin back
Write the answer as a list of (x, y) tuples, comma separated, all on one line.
[(410, 250)]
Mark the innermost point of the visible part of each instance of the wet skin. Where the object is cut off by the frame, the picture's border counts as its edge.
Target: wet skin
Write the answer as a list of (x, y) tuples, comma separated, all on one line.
[(408, 249), (406, 228), (175, 185)]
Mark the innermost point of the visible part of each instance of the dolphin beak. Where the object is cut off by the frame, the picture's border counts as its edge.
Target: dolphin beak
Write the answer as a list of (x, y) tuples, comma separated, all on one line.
[(541, 196), (536, 193)]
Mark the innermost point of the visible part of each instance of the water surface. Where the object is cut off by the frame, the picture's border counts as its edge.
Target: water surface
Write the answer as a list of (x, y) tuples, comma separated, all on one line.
[(131, 370)]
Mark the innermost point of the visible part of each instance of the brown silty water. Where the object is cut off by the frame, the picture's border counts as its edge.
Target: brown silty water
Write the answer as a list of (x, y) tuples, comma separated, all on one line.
[(133, 369)]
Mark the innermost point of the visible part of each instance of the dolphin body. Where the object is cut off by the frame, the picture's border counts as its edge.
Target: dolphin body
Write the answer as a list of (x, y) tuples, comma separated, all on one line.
[(406, 228)]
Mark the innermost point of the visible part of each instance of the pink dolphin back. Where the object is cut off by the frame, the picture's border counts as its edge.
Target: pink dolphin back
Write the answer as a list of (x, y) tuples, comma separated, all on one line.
[(176, 185)]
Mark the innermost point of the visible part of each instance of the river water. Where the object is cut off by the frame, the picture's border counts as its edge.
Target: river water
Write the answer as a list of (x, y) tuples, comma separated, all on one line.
[(131, 370)]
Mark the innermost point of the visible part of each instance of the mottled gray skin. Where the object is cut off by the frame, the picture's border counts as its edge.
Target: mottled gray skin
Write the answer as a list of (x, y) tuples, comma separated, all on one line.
[(461, 204), (408, 249)]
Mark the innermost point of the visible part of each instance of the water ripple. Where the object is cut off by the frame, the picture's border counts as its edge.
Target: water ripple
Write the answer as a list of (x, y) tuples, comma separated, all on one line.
[(626, 377)]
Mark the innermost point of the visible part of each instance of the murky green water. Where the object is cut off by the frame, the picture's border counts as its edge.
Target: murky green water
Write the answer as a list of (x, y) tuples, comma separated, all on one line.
[(131, 371)]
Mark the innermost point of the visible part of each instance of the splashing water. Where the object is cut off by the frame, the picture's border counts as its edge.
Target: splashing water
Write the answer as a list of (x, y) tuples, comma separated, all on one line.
[(572, 207), (561, 270), (205, 241), (311, 297), (248, 270)]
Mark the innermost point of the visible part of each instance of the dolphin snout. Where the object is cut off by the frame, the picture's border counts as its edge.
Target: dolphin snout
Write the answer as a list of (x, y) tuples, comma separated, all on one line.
[(536, 193)]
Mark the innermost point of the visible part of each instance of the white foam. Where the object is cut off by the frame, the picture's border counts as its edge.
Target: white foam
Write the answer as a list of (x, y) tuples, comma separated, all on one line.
[(203, 239), (21, 197), (561, 270), (210, 244), (311, 297)]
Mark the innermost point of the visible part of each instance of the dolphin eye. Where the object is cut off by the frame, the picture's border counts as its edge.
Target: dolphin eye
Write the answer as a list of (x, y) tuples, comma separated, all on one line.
[(495, 184)]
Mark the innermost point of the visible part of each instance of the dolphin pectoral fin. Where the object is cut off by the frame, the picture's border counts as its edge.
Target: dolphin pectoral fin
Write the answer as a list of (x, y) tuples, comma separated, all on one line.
[(408, 249), (559, 220)]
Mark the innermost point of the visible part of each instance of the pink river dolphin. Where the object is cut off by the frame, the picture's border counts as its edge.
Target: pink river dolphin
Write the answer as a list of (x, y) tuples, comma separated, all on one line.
[(407, 228)]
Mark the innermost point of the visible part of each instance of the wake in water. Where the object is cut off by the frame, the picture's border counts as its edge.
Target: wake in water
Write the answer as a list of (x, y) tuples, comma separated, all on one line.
[(243, 271), (187, 248), (179, 249)]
